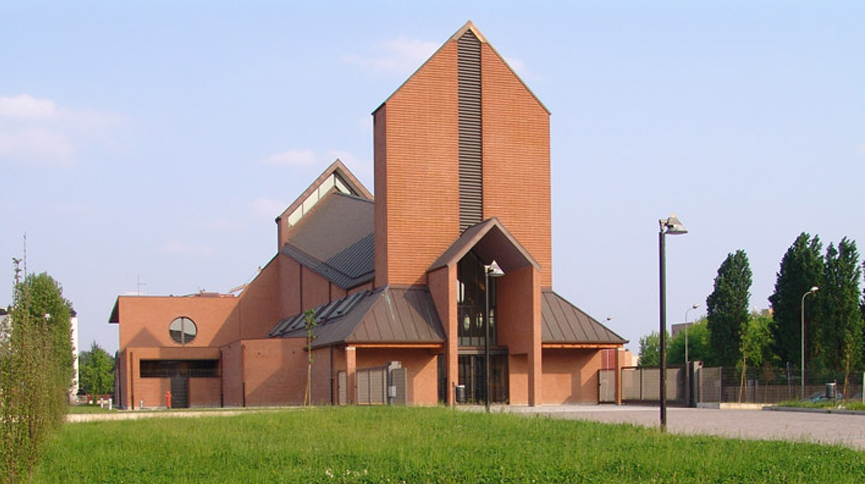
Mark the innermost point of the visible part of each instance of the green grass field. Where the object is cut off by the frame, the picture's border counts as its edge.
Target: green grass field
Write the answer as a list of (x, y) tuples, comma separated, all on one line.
[(391, 445)]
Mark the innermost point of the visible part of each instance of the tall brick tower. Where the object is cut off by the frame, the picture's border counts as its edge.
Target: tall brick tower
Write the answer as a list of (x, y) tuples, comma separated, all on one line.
[(461, 141)]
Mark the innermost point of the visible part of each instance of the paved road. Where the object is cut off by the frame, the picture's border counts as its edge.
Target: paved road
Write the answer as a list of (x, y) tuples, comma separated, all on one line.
[(847, 430)]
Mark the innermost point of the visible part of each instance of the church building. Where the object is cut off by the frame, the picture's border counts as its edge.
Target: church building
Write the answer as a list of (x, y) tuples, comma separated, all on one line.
[(408, 290)]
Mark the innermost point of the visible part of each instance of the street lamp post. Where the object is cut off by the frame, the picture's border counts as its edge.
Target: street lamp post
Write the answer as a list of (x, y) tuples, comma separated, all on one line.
[(694, 306), (671, 226), (810, 291), (492, 270), (688, 398)]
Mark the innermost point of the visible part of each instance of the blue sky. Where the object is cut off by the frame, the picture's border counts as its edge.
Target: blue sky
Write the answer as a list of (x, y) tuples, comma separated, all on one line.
[(157, 141)]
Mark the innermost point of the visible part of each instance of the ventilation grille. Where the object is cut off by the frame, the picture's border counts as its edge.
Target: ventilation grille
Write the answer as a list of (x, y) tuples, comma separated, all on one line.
[(471, 168)]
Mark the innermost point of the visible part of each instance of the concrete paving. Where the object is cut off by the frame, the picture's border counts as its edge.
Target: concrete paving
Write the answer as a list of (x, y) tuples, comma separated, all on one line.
[(846, 430)]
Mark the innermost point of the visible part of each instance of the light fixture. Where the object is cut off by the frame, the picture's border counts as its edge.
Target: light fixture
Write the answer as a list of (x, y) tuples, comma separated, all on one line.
[(492, 270), (671, 226), (810, 291)]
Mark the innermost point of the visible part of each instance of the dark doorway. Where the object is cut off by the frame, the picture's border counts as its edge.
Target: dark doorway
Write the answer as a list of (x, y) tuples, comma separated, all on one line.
[(180, 390), (471, 374)]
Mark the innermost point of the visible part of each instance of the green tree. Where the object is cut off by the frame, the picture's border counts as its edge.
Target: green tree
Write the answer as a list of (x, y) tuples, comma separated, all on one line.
[(35, 372), (96, 371), (727, 308), (650, 350), (840, 314), (801, 269), (699, 347)]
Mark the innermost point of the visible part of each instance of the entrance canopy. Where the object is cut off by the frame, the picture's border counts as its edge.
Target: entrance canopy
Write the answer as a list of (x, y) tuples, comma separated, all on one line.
[(489, 240)]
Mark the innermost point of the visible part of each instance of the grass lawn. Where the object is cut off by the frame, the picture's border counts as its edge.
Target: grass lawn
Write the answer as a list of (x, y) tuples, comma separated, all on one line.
[(391, 445), (845, 404)]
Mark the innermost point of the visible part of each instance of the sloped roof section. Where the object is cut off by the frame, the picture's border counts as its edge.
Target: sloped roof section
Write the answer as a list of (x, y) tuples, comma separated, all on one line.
[(386, 315), (565, 323), (336, 240)]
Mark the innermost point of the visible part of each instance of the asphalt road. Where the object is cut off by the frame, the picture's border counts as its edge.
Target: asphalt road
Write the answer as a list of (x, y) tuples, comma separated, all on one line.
[(846, 430)]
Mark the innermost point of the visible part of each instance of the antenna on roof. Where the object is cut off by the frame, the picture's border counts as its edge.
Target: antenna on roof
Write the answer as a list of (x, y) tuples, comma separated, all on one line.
[(138, 283)]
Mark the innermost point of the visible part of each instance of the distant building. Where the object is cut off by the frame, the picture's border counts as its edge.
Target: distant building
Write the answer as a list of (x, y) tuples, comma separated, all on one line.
[(4, 328), (396, 283)]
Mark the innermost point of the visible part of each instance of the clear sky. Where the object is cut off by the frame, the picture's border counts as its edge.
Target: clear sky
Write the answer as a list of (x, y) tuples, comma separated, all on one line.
[(148, 146)]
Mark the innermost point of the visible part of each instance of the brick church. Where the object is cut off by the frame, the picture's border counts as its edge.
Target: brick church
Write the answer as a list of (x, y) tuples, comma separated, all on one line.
[(403, 286)]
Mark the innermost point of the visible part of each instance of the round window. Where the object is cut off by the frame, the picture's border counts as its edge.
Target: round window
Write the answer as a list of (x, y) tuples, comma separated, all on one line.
[(182, 330)]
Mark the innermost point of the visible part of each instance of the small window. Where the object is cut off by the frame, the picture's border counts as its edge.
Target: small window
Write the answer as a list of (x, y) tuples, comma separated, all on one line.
[(183, 330)]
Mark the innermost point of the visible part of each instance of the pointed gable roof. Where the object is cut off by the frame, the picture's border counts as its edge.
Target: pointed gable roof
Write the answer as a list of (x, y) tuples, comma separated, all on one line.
[(312, 194), (469, 26), (510, 253)]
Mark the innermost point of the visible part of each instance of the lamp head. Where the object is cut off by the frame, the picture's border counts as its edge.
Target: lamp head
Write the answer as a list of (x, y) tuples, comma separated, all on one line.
[(814, 289), (672, 225), (493, 270), (695, 306)]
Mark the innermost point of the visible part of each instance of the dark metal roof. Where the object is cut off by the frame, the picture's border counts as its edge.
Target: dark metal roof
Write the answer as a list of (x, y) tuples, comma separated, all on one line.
[(336, 240), (488, 237), (565, 323), (387, 315)]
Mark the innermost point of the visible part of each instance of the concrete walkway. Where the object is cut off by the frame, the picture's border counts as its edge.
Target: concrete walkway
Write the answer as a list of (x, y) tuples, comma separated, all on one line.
[(846, 430), (141, 414)]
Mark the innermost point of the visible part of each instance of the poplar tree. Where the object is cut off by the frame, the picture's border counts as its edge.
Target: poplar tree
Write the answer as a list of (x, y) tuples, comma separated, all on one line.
[(801, 269), (841, 323), (727, 307)]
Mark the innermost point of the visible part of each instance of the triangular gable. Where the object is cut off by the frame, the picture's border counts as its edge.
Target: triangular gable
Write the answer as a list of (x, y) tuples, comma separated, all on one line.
[(335, 177), (512, 257), (468, 26)]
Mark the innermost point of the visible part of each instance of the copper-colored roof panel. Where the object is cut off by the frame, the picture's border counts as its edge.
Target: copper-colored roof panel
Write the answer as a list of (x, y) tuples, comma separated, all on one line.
[(388, 315), (565, 323)]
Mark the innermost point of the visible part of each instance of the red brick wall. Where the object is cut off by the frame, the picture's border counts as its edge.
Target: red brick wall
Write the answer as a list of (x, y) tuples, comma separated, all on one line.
[(516, 159), (571, 375), (321, 376), (274, 371), (421, 370), (152, 390), (232, 375), (205, 392), (417, 185), (145, 320), (316, 290), (259, 307)]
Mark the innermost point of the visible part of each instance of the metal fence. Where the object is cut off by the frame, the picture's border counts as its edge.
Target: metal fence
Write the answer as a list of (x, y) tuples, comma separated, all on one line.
[(644, 384), (770, 385)]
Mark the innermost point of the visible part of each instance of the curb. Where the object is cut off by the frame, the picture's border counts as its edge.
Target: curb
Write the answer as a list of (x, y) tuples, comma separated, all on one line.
[(839, 411)]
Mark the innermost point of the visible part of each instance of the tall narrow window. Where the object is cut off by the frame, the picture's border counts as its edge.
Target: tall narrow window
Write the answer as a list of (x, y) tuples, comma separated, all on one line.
[(471, 302)]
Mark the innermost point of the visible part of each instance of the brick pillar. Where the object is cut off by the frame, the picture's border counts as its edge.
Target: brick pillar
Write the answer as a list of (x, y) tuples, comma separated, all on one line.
[(535, 368), (351, 374)]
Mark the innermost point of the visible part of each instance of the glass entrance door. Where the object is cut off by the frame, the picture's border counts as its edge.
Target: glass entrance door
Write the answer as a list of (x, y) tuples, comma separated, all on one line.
[(471, 374)]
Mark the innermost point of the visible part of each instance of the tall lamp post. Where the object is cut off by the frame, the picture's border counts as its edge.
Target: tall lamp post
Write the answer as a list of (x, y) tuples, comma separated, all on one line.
[(671, 226), (810, 291), (492, 270), (694, 306), (688, 399)]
